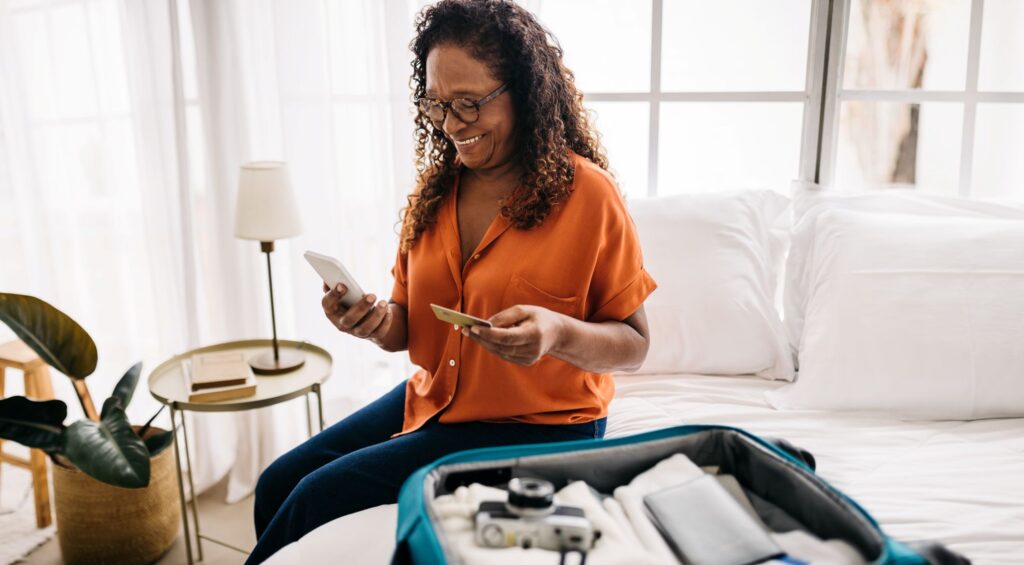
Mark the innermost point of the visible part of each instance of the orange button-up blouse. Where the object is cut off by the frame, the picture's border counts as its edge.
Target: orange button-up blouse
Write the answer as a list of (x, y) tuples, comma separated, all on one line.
[(583, 261)]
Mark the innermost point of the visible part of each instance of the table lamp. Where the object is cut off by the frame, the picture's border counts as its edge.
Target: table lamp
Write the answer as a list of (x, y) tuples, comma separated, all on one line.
[(267, 211)]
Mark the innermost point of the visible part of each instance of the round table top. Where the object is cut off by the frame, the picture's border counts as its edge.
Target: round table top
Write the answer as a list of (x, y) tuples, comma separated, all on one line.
[(167, 384)]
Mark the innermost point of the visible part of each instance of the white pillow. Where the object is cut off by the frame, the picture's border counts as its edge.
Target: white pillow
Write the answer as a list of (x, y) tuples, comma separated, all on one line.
[(916, 316), (715, 259), (809, 201)]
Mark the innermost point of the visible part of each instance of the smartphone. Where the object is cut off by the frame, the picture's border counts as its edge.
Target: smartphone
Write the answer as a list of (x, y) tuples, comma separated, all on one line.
[(458, 318), (333, 272)]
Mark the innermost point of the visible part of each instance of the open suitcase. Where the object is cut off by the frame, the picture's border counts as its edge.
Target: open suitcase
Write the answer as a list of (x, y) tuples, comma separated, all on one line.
[(772, 470)]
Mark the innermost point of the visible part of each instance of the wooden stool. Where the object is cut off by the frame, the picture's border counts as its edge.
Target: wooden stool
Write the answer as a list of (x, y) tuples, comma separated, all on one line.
[(17, 355)]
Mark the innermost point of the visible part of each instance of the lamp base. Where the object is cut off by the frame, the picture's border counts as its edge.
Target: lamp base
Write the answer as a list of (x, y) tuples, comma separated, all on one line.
[(264, 363)]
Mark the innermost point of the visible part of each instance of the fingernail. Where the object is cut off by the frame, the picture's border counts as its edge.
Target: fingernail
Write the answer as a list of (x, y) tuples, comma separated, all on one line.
[(369, 298), (338, 288), (475, 330)]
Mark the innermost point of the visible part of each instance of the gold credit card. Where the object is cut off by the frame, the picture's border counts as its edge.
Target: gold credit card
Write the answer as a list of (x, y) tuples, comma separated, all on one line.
[(458, 318)]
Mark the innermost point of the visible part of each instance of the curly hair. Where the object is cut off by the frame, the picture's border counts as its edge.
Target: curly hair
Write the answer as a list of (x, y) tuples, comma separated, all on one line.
[(550, 118)]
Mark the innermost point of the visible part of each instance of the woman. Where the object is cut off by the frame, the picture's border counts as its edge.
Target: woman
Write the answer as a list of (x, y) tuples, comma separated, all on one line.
[(514, 218)]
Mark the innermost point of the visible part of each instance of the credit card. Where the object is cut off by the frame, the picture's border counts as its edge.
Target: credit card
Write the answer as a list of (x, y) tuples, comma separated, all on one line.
[(458, 318)]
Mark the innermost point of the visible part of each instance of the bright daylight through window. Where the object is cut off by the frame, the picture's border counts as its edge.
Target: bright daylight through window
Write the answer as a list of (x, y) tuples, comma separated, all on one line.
[(917, 93)]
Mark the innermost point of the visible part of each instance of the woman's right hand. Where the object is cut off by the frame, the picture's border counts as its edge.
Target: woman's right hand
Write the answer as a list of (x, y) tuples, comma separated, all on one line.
[(364, 319)]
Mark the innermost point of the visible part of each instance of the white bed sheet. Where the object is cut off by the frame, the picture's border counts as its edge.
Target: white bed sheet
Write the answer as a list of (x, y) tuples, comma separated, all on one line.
[(961, 483)]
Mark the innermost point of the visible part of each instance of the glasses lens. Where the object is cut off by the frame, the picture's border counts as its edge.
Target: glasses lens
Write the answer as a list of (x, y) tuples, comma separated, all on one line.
[(466, 110), (432, 109)]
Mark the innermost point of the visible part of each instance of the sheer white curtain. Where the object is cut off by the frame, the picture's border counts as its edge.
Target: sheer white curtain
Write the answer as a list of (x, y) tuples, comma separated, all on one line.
[(89, 220), (323, 86), (96, 220)]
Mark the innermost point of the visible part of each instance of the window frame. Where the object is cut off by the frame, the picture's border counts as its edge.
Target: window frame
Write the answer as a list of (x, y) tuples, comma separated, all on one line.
[(811, 96), (835, 95)]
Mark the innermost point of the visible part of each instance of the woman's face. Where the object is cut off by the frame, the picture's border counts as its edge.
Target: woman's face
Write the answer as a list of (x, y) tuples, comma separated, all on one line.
[(486, 143)]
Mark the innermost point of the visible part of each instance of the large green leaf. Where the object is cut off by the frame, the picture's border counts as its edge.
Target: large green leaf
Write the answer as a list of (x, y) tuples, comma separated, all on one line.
[(159, 442), (33, 423), (142, 431), (52, 334), (108, 450), (125, 388)]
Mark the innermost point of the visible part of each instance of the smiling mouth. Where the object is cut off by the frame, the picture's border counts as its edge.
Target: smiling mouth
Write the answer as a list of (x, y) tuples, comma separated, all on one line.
[(467, 142)]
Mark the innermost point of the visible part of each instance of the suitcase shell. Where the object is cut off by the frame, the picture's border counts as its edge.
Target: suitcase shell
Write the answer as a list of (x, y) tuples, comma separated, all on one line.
[(783, 477)]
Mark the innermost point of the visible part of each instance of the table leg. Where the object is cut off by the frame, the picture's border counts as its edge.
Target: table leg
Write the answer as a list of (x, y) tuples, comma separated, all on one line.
[(192, 488), (309, 415), (319, 405), (181, 486)]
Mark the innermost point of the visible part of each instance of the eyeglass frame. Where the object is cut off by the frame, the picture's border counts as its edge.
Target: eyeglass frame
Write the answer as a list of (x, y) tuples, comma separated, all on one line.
[(446, 105)]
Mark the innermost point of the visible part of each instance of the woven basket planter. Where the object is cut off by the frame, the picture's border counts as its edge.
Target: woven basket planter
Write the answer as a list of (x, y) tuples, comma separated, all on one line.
[(100, 523)]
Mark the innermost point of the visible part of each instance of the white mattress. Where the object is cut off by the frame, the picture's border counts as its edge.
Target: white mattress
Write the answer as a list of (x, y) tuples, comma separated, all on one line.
[(961, 483)]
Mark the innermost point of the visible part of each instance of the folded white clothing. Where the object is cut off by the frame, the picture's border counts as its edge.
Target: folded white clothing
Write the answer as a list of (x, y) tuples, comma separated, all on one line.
[(809, 549), (669, 472), (614, 509), (628, 536)]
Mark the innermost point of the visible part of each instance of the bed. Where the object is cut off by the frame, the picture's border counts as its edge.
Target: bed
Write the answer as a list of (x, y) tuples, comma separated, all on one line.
[(958, 482)]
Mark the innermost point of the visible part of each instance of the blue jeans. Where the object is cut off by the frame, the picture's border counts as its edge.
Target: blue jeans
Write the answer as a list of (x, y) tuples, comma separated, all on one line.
[(355, 465)]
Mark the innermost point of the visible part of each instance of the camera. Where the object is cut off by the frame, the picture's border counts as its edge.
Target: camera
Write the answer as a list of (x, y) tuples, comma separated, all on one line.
[(531, 519)]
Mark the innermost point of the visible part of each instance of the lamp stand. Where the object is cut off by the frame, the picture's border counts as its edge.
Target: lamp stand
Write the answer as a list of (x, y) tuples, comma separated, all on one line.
[(274, 362)]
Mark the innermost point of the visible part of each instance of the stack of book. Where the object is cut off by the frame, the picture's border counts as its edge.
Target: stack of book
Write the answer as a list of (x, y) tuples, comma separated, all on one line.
[(217, 376)]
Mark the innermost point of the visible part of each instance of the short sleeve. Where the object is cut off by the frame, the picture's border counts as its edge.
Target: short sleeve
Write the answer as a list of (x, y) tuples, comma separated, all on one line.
[(620, 284), (400, 290)]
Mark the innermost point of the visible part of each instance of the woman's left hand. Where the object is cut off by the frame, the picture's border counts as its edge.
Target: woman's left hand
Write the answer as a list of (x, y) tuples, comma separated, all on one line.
[(521, 334)]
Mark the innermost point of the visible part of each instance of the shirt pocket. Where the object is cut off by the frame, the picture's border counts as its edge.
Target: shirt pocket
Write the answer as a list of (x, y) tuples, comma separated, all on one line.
[(522, 291)]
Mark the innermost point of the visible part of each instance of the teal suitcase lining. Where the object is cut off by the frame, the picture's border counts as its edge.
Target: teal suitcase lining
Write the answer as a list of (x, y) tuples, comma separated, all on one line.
[(775, 475)]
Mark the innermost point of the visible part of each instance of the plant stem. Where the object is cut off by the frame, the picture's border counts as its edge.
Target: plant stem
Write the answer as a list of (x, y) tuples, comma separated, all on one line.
[(145, 428)]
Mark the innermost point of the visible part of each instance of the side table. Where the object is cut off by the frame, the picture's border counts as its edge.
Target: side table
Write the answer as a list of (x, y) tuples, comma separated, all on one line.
[(166, 384)]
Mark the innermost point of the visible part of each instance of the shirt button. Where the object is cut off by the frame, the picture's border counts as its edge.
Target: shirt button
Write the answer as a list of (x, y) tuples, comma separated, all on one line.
[(456, 326), (451, 362), (450, 398), (477, 256)]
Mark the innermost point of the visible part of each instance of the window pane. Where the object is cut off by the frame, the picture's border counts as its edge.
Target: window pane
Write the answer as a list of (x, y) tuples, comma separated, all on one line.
[(585, 29), (625, 131), (355, 65), (1002, 46), (728, 145), (357, 158), (119, 167), (108, 56), (189, 72), (903, 44), (998, 170), (895, 144), (33, 49), (6, 184), (68, 160), (72, 62), (749, 45), (196, 149)]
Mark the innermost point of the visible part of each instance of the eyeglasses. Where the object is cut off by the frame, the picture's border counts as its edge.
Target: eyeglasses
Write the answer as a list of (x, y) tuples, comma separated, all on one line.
[(466, 110)]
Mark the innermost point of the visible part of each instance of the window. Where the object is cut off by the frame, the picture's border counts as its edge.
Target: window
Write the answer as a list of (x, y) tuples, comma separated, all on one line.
[(87, 180), (928, 95), (684, 107), (80, 141)]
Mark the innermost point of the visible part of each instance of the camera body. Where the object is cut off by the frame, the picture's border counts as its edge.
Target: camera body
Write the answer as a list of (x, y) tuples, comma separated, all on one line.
[(530, 519)]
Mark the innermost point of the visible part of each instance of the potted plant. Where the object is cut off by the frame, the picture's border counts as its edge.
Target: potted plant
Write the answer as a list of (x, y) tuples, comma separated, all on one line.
[(114, 484)]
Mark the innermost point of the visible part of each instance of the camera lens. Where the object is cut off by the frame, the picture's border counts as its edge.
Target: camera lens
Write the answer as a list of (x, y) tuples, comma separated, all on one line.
[(527, 496), (493, 535)]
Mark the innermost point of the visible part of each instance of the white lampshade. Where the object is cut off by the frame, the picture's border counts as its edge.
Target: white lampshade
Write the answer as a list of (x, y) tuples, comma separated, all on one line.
[(266, 209)]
